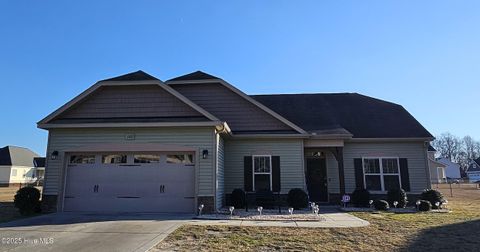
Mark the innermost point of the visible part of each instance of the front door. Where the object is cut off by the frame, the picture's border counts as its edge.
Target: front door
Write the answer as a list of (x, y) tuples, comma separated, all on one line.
[(317, 179)]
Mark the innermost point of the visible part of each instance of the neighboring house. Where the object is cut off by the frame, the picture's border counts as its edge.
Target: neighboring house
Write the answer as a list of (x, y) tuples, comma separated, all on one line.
[(473, 171), (452, 170), (16, 165), (39, 164), (136, 144), (437, 169)]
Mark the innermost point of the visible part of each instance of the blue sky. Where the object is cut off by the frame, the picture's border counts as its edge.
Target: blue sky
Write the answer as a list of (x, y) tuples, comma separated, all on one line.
[(422, 54)]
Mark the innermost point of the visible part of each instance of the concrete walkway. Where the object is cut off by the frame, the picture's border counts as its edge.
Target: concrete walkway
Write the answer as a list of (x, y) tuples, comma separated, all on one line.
[(331, 220)]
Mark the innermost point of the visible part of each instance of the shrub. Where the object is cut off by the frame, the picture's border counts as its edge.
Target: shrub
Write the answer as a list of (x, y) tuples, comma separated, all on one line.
[(433, 196), (424, 206), (265, 198), (381, 205), (361, 198), (297, 198), (238, 198), (398, 195), (27, 200)]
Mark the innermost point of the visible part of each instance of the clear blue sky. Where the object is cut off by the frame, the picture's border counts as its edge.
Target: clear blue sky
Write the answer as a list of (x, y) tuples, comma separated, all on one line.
[(422, 54)]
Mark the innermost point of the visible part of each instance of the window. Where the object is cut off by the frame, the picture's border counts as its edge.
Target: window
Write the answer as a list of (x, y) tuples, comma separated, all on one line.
[(14, 172), (381, 174), (180, 159), (145, 159), (114, 159), (262, 173), (82, 159)]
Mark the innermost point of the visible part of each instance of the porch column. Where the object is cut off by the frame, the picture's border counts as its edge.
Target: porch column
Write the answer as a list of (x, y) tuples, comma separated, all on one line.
[(338, 153)]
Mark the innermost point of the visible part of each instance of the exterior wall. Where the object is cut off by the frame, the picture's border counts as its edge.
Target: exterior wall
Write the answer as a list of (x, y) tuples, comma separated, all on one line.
[(291, 161), (5, 174), (415, 152), (240, 114), (65, 139), (473, 176), (220, 193), (130, 101)]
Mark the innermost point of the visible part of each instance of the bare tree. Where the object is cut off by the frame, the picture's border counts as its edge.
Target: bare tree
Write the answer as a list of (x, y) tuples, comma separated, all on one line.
[(470, 147), (449, 146)]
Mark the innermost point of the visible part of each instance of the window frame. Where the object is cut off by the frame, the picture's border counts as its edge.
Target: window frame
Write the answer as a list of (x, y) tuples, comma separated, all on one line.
[(261, 173), (381, 174)]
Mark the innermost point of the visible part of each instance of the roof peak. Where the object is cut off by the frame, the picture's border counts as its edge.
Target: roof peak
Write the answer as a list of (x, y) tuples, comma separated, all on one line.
[(197, 75), (133, 76)]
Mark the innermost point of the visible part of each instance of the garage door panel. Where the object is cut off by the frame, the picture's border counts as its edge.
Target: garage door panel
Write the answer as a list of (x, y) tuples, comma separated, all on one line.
[(151, 187)]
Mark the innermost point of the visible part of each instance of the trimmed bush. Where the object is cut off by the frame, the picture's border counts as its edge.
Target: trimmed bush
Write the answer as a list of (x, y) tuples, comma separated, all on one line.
[(381, 205), (238, 198), (398, 195), (297, 198), (360, 198), (425, 206), (433, 196), (27, 200)]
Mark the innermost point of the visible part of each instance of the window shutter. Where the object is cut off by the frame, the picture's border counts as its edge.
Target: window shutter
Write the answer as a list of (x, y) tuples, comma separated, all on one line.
[(358, 166), (247, 174), (404, 174), (275, 173)]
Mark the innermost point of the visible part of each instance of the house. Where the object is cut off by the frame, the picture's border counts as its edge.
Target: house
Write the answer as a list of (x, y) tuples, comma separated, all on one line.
[(39, 164), (437, 169), (473, 171), (452, 170), (134, 143), (16, 166)]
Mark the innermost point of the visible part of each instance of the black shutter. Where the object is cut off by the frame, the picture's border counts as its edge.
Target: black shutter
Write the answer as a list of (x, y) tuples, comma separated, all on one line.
[(358, 166), (247, 174), (404, 174), (275, 173)]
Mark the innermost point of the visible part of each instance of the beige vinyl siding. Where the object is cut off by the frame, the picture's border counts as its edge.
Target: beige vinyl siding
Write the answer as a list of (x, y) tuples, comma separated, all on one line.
[(415, 152), (220, 172), (65, 139), (291, 161), (240, 114), (130, 101)]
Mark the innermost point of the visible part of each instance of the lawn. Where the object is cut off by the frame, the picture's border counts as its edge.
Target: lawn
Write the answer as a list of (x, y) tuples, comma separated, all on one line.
[(388, 232)]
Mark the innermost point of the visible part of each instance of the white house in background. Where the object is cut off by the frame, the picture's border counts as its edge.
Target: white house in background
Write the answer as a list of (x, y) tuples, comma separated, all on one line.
[(437, 169), (452, 170), (473, 171), (16, 165)]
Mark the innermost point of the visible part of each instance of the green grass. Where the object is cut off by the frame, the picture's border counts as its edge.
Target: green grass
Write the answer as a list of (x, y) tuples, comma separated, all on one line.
[(387, 232)]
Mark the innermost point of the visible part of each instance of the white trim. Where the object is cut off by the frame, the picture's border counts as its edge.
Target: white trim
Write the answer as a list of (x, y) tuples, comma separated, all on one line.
[(261, 173), (129, 124), (99, 84), (381, 174), (245, 96)]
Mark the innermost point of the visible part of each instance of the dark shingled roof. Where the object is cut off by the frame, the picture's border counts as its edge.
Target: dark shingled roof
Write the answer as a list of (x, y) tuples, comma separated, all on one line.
[(134, 76), (430, 148), (198, 75), (12, 155), (39, 162), (362, 116)]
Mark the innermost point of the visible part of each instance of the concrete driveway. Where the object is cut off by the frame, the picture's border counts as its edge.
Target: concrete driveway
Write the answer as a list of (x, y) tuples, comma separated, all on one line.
[(88, 232)]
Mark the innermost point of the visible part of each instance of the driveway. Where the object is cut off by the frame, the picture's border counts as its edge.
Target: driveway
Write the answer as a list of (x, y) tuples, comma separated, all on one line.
[(88, 232)]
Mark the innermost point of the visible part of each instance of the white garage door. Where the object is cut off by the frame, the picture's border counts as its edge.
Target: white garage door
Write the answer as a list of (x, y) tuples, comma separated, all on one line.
[(145, 182)]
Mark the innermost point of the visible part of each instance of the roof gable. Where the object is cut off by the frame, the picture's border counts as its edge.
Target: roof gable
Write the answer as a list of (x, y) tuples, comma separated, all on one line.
[(198, 75), (133, 76), (128, 101)]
